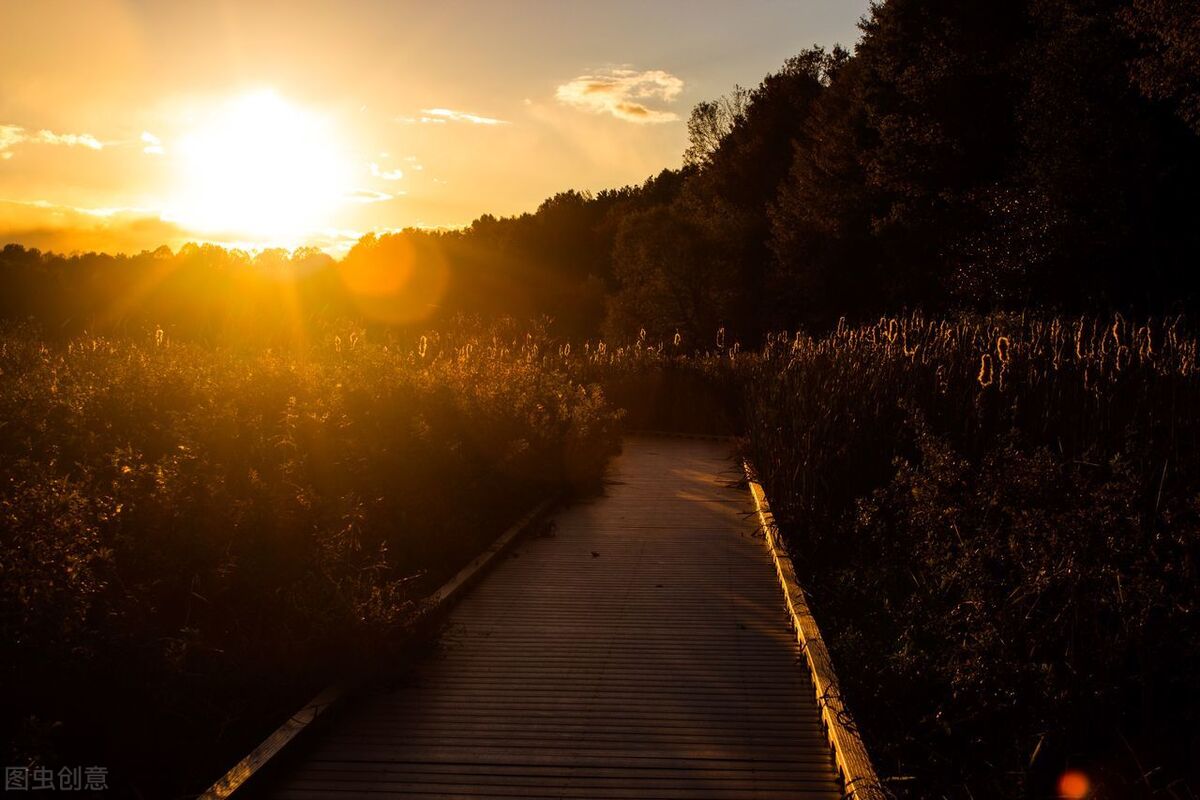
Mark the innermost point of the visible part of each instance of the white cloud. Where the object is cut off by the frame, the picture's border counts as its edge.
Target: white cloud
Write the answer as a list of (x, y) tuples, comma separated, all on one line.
[(153, 145), (386, 174), (370, 196), (620, 91), (12, 135), (68, 139), (440, 116)]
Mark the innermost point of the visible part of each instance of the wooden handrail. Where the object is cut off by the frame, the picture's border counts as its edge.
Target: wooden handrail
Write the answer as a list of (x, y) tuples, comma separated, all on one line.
[(849, 752)]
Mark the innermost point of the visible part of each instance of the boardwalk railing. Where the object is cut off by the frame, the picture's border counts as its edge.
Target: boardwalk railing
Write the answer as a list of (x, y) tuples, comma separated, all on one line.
[(850, 755)]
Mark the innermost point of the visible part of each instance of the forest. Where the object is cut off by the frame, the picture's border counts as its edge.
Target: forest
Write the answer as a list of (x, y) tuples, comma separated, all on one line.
[(941, 287)]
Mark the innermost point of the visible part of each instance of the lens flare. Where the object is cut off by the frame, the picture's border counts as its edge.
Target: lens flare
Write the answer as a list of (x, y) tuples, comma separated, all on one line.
[(1074, 785)]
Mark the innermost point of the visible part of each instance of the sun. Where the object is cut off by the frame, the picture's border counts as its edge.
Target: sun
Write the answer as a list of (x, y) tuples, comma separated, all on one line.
[(261, 168)]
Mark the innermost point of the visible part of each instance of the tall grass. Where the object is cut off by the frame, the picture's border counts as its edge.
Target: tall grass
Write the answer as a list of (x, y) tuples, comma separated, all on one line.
[(666, 385), (999, 522), (193, 537)]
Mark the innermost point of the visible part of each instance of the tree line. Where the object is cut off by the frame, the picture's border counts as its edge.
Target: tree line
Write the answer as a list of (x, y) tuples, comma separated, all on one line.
[(965, 155)]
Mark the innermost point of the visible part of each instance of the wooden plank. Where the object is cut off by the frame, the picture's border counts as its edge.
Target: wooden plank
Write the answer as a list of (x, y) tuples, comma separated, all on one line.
[(599, 772), (638, 649), (287, 733)]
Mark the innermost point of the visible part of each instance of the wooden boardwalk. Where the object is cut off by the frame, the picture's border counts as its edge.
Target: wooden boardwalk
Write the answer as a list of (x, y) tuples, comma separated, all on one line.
[(640, 649)]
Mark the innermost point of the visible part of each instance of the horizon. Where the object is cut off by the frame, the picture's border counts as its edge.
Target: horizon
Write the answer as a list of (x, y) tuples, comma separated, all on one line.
[(221, 125)]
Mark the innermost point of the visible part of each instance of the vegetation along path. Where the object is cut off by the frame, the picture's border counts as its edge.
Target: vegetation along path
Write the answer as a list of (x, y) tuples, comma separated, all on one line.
[(640, 648)]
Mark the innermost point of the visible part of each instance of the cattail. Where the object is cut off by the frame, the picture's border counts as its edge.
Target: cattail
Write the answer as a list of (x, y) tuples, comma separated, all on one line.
[(422, 346), (337, 344), (158, 337), (985, 370), (1002, 344), (721, 338), (678, 340)]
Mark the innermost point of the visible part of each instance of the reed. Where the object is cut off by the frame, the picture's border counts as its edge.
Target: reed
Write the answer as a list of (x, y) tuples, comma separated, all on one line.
[(193, 537), (997, 519)]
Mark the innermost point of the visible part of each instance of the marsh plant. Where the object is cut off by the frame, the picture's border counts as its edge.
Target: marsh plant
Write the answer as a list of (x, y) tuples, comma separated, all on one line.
[(998, 520), (195, 537)]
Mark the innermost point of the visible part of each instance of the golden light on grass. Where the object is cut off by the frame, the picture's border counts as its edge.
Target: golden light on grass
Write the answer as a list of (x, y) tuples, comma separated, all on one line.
[(260, 167)]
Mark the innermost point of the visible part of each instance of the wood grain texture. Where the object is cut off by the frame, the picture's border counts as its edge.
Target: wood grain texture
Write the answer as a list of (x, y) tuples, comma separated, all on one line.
[(639, 649)]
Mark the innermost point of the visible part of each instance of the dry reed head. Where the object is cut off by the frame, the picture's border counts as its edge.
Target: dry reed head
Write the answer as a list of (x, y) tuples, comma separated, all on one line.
[(1002, 348), (985, 376)]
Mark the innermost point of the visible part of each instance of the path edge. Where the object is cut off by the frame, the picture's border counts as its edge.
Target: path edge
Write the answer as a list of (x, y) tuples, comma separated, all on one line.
[(849, 753), (433, 610)]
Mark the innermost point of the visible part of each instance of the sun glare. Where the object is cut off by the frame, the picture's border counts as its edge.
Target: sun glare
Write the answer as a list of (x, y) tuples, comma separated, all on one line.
[(261, 168)]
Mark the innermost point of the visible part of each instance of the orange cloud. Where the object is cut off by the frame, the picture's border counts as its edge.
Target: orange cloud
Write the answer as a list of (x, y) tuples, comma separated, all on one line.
[(67, 229), (619, 91)]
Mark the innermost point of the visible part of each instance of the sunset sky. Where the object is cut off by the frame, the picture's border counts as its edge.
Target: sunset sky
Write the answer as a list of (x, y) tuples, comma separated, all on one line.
[(125, 125)]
